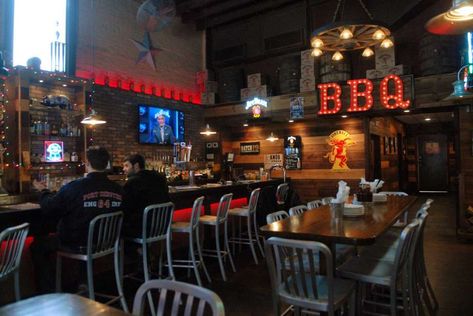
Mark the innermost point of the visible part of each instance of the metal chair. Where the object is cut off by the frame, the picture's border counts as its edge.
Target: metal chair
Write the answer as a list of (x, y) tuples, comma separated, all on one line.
[(276, 216), (297, 210), (281, 194), (250, 214), (216, 221), (300, 282), (12, 241), (403, 222), (326, 200), (192, 228), (103, 240), (385, 273), (186, 298), (314, 204)]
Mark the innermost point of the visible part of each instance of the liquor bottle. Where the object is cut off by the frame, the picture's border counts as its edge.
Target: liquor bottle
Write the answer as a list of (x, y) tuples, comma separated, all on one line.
[(47, 129), (54, 130)]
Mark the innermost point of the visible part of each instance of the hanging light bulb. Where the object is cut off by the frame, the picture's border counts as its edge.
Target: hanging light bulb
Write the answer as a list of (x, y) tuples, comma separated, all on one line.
[(346, 34), (367, 52), (379, 35), (316, 52), (337, 56), (272, 138), (316, 42), (207, 131), (386, 43)]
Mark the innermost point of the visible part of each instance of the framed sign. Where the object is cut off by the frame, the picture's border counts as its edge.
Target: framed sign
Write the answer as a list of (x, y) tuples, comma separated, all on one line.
[(272, 159), (296, 106), (249, 148)]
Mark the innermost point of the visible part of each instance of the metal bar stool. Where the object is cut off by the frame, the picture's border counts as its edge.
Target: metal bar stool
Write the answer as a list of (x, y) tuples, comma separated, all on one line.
[(192, 228), (250, 213), (281, 195), (12, 241), (216, 221), (103, 240)]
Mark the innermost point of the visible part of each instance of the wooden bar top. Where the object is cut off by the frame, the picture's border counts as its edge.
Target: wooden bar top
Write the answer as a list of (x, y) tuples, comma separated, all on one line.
[(317, 224)]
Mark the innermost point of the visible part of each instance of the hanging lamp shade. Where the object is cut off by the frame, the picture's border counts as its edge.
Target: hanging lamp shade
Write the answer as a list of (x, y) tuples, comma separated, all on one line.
[(272, 138), (93, 119), (457, 20), (208, 131), (459, 87)]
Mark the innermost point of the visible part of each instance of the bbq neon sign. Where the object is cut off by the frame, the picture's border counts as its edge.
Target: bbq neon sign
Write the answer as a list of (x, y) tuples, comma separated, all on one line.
[(391, 95)]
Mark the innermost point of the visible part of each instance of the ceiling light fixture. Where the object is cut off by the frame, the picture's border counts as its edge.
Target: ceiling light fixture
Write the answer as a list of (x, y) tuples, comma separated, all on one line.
[(207, 131), (93, 119), (428, 119), (457, 20), (459, 90), (272, 138), (339, 36)]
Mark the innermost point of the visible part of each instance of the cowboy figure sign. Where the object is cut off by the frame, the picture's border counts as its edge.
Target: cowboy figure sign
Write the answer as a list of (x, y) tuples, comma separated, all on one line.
[(339, 140)]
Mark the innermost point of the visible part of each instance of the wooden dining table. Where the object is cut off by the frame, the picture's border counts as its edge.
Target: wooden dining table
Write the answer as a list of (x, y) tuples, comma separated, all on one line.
[(59, 304), (318, 224)]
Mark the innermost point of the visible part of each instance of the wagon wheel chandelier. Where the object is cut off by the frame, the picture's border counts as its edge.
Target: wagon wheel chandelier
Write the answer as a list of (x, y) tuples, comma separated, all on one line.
[(339, 36)]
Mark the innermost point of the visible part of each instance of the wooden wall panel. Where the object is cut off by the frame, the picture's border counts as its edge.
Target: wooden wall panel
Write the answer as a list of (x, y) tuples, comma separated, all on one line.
[(466, 156)]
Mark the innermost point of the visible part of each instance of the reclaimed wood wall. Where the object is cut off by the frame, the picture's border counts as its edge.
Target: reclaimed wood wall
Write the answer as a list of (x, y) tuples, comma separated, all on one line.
[(466, 157)]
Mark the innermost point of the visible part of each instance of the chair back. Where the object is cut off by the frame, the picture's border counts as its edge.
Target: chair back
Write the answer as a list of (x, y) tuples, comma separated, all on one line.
[(326, 200), (223, 207), (395, 193), (196, 210), (281, 193), (314, 204), (276, 216), (188, 299), (12, 241), (104, 233), (293, 267), (253, 204), (157, 219), (297, 210), (406, 241)]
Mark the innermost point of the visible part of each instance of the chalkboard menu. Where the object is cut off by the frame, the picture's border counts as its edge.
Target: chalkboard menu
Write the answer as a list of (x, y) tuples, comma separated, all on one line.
[(293, 152)]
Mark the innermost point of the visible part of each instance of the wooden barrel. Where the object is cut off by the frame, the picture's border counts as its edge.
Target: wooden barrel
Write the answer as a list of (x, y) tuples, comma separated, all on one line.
[(438, 54), (334, 71), (289, 74), (230, 81)]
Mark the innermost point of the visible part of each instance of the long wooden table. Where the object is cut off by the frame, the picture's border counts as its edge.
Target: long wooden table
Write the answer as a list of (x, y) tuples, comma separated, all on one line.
[(318, 225), (59, 304)]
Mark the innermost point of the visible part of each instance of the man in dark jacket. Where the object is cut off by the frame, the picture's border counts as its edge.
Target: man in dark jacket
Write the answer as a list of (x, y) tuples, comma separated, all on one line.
[(143, 188), (75, 205)]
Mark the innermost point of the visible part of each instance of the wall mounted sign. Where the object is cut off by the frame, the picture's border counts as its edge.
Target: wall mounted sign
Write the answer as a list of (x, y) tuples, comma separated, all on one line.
[(256, 106), (293, 152), (296, 108), (339, 141), (390, 91), (272, 159), (249, 148)]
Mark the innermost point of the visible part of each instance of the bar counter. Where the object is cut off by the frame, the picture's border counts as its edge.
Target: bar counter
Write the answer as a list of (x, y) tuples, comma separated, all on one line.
[(182, 196)]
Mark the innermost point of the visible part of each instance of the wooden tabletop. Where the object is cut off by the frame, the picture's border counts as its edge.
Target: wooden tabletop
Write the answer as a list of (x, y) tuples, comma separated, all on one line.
[(317, 224), (59, 304)]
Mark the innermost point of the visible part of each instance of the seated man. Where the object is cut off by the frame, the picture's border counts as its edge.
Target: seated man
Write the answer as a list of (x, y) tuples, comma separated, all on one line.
[(143, 188), (75, 204)]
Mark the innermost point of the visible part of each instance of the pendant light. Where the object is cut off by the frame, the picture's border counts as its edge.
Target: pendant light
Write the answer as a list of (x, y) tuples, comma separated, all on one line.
[(207, 131), (457, 20), (93, 119), (272, 138)]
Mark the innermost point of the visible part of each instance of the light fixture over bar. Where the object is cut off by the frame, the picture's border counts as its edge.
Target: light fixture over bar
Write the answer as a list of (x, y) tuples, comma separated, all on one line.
[(207, 131), (93, 119), (457, 20)]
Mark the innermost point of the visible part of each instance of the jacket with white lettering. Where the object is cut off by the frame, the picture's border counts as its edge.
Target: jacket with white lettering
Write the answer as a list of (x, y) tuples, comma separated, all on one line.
[(78, 202)]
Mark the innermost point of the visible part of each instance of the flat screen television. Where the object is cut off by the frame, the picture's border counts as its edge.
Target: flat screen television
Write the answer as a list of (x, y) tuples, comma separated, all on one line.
[(160, 125)]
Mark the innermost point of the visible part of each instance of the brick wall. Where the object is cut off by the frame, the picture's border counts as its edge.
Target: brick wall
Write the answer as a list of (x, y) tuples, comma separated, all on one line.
[(105, 32), (120, 134)]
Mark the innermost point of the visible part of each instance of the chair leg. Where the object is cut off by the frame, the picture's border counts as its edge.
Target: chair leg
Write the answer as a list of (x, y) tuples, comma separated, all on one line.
[(352, 303), (250, 239), (201, 259), (392, 299), (192, 254), (219, 252), (169, 255), (257, 236), (16, 276), (146, 277), (233, 219), (228, 248), (118, 276), (90, 278), (58, 273)]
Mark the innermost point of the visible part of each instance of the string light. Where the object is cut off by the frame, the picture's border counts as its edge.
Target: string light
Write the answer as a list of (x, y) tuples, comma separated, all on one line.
[(355, 94), (325, 97), (396, 100)]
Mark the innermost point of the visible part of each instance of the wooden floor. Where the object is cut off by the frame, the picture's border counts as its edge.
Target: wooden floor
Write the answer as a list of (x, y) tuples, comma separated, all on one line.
[(449, 264)]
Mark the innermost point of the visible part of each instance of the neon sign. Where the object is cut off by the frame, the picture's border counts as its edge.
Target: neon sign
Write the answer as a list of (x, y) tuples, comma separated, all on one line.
[(256, 106), (391, 95)]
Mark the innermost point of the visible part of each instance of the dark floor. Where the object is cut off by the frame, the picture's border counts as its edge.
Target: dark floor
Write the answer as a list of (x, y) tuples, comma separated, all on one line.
[(449, 264)]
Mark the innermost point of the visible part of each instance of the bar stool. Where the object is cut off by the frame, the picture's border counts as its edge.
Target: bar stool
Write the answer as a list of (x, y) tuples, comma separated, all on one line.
[(250, 213), (192, 228), (216, 221), (281, 195), (103, 240), (12, 240)]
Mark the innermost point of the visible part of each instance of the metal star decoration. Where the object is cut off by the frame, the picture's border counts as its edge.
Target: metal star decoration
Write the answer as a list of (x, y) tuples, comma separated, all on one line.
[(146, 50)]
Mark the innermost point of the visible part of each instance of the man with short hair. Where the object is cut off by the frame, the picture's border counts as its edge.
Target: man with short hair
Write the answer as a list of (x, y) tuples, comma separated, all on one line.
[(143, 188), (75, 204), (162, 133)]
